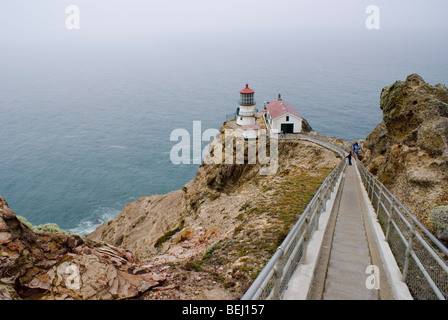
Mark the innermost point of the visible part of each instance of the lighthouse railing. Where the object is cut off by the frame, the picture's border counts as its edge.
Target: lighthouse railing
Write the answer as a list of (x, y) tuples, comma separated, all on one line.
[(246, 113)]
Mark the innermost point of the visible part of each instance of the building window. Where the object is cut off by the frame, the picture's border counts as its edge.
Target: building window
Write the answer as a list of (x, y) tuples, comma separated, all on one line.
[(287, 118)]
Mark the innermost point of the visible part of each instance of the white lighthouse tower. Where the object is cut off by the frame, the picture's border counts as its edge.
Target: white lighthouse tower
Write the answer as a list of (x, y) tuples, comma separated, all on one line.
[(245, 113)]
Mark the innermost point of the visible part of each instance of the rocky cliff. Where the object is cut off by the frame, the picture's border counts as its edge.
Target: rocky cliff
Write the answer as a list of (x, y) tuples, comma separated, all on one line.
[(408, 150), (207, 240), (224, 224)]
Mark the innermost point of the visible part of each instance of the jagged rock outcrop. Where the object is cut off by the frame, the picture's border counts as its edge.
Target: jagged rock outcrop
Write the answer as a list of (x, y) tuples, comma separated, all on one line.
[(408, 150), (61, 266)]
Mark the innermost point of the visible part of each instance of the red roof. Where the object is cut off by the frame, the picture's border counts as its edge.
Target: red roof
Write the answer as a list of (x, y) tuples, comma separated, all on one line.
[(247, 89), (279, 107)]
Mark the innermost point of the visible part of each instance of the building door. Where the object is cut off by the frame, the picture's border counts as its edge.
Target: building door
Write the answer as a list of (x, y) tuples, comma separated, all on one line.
[(287, 127)]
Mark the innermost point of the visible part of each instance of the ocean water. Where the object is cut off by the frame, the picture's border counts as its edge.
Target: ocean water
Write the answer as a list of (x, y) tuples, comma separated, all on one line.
[(85, 124)]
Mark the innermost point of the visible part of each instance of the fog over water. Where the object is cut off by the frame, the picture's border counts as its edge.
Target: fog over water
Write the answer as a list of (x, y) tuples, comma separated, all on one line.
[(86, 114)]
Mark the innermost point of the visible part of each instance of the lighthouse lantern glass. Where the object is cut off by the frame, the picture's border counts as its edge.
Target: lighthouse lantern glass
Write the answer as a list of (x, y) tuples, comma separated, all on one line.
[(247, 99)]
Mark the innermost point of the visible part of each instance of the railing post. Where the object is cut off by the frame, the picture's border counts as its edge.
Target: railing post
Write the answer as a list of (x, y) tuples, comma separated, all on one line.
[(317, 204), (364, 177), (317, 214), (305, 239), (380, 193), (408, 250), (369, 185), (278, 274), (389, 219)]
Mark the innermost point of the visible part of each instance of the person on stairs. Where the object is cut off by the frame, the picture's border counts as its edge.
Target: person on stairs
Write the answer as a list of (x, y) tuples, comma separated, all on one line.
[(349, 157)]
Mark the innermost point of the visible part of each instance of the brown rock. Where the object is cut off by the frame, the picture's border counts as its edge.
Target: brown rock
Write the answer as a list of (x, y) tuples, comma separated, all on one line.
[(149, 218), (408, 150), (59, 266), (5, 237), (3, 225), (15, 245)]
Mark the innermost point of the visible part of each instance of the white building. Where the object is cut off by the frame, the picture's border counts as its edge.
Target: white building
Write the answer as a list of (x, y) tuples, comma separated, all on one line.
[(282, 116), (245, 113), (251, 131)]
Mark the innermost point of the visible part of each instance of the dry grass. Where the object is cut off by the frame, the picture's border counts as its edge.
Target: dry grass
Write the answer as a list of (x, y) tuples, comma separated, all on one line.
[(264, 224)]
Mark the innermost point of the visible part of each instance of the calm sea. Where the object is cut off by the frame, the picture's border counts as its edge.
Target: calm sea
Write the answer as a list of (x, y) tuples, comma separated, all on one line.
[(85, 124)]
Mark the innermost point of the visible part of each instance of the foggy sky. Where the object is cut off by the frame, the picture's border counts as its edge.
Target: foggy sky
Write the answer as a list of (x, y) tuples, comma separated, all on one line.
[(39, 20)]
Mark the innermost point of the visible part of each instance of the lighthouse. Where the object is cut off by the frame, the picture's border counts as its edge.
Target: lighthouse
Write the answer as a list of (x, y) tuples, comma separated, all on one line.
[(245, 113)]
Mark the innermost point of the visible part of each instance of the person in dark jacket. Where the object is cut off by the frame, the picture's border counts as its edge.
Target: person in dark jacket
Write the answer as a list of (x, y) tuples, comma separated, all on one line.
[(349, 157)]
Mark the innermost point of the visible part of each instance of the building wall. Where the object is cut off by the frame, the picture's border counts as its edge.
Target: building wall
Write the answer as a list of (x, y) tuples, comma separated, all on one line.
[(250, 134), (276, 124), (248, 111), (242, 119)]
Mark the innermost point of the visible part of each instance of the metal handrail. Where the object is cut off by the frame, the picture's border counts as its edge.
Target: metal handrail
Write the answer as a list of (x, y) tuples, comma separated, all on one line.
[(274, 277), (422, 258)]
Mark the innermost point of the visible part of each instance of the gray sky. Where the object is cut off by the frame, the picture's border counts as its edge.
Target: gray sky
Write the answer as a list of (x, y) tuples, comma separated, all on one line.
[(26, 20)]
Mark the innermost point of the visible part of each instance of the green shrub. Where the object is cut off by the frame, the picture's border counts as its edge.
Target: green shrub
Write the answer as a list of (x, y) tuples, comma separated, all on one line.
[(43, 228)]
